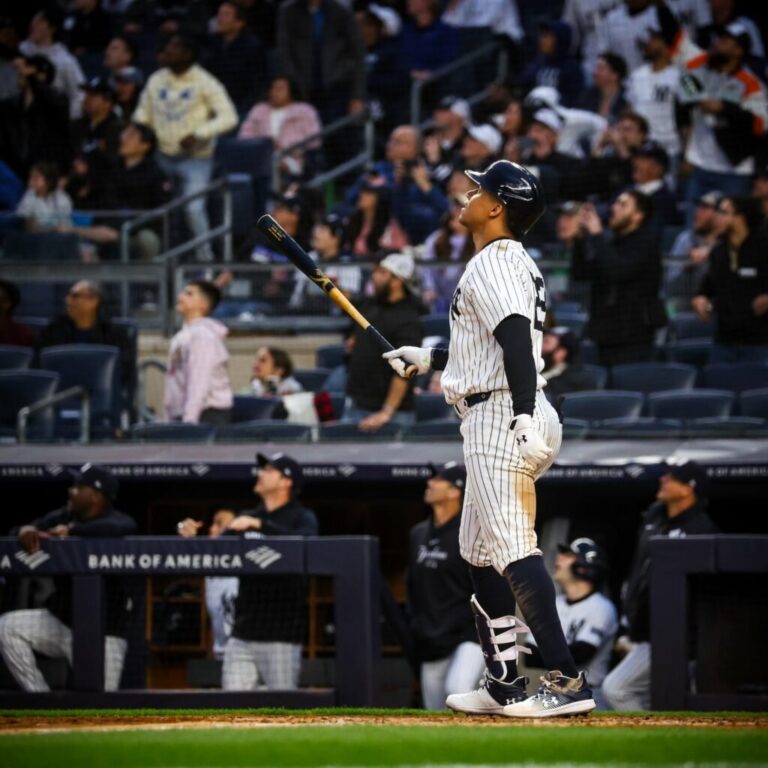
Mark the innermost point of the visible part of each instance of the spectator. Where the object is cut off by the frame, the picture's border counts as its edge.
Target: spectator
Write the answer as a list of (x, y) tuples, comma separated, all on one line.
[(587, 616), (562, 370), (652, 91), (11, 332), (624, 275), (555, 66), (272, 374), (197, 387), (45, 206), (443, 147), (606, 96), (9, 86), (692, 247), (88, 513), (451, 242), (34, 125), (371, 226), (376, 396), (723, 13), (730, 109), (585, 17), (127, 83), (87, 28), (84, 323), (650, 164), (121, 52), (11, 189), (328, 246), (679, 511), (167, 18), (235, 57), (220, 591), (188, 109), (480, 147), (43, 33), (438, 588), (760, 186), (285, 121), (623, 30), (735, 286), (270, 611), (320, 49)]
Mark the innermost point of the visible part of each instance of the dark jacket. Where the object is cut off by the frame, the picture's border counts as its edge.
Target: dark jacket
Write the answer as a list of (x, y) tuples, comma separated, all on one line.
[(439, 589), (241, 68), (656, 523), (573, 379), (111, 524), (142, 186), (624, 273), (341, 58), (732, 287), (273, 608), (428, 48), (369, 374)]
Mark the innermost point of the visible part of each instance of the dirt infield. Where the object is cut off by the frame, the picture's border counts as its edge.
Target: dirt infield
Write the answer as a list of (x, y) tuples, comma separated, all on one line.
[(36, 724)]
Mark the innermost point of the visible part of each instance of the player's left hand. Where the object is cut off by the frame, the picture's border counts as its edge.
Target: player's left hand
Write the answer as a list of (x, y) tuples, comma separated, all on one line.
[(529, 442)]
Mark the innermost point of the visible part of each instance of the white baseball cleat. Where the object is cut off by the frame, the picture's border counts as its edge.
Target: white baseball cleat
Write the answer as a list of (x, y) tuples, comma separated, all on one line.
[(558, 696), (490, 699)]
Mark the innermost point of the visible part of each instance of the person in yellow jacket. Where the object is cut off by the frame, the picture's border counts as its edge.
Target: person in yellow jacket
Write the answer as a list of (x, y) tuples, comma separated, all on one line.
[(188, 109)]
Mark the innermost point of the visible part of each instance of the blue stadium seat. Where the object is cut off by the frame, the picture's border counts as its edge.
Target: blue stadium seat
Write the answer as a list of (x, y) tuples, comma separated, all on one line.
[(35, 324), (690, 351), (727, 426), (41, 246), (575, 321), (248, 156), (429, 406), (436, 429), (566, 307), (15, 358), (18, 389), (599, 374), (575, 429), (250, 407), (337, 380), (688, 325), (435, 325), (264, 430), (641, 426), (330, 355), (172, 432), (690, 403), (738, 377), (754, 402), (653, 377), (599, 405), (311, 379), (588, 352), (348, 430), (94, 367)]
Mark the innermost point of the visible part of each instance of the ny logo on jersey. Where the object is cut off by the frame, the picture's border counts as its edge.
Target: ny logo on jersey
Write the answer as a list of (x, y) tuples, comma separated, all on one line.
[(541, 302), (455, 314), (662, 93)]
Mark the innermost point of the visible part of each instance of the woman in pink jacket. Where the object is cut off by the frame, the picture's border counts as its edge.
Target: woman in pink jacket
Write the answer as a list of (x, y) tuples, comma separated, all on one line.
[(283, 120)]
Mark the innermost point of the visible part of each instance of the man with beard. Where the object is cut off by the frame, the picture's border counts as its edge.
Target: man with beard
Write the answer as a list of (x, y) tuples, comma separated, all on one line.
[(624, 272), (376, 395), (729, 108), (564, 374)]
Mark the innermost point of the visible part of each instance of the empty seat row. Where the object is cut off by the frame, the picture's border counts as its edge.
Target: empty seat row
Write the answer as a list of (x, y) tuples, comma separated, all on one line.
[(650, 427)]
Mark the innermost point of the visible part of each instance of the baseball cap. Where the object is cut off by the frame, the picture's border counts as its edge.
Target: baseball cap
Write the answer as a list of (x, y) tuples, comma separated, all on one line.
[(99, 85), (96, 477), (739, 33), (710, 199), (581, 547), (690, 473), (291, 202), (543, 95), (569, 208), (456, 105), (654, 151), (401, 265), (130, 75), (389, 18), (285, 465), (453, 472), (548, 117), (486, 134), (334, 222)]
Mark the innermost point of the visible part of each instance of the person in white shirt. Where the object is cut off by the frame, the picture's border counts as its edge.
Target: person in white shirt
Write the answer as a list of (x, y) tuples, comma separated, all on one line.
[(585, 18), (625, 28)]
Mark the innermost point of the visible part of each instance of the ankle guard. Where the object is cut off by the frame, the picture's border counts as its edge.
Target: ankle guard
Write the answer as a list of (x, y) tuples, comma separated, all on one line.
[(495, 633)]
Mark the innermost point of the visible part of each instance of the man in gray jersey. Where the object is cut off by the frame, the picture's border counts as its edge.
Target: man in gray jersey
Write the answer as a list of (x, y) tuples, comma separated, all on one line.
[(492, 377)]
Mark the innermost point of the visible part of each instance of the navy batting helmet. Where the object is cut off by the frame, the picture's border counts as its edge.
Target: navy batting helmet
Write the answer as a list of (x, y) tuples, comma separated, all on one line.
[(590, 563), (517, 189)]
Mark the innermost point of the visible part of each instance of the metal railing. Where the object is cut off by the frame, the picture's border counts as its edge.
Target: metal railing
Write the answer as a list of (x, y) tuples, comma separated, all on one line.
[(461, 63), (359, 160), (22, 418)]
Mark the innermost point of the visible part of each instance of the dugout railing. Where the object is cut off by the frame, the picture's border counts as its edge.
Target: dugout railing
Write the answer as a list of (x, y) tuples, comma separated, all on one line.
[(351, 562)]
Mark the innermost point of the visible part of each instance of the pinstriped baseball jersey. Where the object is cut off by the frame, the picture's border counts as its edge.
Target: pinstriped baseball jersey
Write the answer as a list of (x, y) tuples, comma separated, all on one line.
[(499, 281)]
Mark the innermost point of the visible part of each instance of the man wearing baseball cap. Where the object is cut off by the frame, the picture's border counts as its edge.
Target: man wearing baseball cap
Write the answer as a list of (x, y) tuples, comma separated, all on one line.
[(679, 511), (443, 630), (88, 513), (270, 611), (650, 165)]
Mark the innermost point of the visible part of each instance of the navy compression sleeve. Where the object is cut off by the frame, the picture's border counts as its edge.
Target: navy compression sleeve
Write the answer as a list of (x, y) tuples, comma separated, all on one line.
[(514, 335)]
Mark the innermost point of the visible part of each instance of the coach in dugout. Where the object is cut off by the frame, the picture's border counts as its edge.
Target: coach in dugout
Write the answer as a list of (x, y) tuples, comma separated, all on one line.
[(88, 513), (270, 611)]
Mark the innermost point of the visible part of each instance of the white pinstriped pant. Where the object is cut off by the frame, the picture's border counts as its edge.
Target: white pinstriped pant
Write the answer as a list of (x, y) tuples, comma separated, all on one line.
[(246, 662), (627, 687), (497, 522), (457, 673)]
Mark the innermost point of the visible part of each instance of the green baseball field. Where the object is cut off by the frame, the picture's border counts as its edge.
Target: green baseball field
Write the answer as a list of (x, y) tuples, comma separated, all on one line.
[(195, 739)]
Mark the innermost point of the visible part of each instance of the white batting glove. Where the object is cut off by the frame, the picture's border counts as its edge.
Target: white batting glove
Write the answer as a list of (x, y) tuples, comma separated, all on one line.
[(418, 360), (529, 442)]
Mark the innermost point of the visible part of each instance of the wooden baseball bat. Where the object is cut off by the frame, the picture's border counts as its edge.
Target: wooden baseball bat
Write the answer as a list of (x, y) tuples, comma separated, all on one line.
[(284, 243)]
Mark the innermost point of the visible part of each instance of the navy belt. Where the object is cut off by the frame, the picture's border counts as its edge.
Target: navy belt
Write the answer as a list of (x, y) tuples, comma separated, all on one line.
[(478, 397)]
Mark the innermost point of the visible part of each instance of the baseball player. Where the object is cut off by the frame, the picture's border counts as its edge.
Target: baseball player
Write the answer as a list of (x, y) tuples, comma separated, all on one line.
[(491, 375), (588, 618)]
